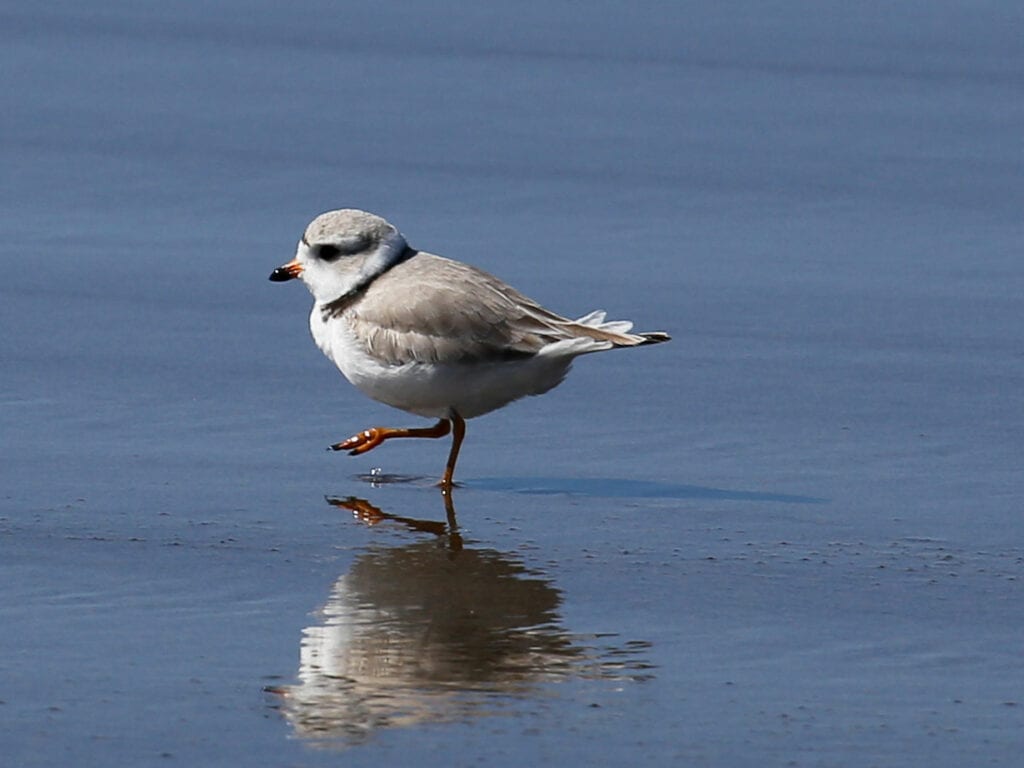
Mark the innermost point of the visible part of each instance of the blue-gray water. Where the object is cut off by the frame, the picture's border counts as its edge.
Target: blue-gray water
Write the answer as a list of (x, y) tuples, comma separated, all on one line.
[(790, 537)]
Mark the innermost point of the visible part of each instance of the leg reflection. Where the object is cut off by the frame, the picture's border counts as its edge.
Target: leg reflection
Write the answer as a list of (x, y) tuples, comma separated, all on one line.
[(371, 514)]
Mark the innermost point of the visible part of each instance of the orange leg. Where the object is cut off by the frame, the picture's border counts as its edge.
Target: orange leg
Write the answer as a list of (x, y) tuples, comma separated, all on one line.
[(458, 432), (369, 439)]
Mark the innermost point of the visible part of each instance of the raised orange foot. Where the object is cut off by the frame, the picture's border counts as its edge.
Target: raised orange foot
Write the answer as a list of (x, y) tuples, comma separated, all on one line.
[(370, 438), (365, 441)]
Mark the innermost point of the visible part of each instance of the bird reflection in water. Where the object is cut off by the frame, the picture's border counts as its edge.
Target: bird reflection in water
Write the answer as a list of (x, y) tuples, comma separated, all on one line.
[(437, 631)]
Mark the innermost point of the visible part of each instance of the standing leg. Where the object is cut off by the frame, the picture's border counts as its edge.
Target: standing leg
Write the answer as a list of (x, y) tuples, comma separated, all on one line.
[(458, 432)]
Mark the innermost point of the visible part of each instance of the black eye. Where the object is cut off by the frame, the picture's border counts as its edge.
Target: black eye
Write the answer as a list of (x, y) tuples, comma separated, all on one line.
[(348, 246)]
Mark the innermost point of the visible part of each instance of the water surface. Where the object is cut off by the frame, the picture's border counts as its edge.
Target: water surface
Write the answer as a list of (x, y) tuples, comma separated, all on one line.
[(789, 537)]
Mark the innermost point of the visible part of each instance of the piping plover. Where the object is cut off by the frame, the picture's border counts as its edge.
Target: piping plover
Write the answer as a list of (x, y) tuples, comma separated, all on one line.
[(432, 336)]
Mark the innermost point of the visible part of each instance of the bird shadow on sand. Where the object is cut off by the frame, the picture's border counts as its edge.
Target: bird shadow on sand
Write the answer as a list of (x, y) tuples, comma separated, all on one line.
[(598, 487)]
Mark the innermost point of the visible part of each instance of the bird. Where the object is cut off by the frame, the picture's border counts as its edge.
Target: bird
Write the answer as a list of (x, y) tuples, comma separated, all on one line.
[(431, 336)]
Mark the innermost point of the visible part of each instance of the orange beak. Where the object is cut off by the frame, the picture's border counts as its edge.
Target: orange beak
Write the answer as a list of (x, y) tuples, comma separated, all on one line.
[(288, 271)]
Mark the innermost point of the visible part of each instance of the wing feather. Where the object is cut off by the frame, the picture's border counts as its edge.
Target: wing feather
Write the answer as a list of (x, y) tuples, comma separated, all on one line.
[(432, 309)]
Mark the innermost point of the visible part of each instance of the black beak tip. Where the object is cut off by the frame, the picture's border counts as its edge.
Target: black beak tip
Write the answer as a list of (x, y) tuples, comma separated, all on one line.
[(280, 274)]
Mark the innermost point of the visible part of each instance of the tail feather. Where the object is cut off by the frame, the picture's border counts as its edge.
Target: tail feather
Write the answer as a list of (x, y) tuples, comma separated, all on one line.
[(596, 320), (617, 332)]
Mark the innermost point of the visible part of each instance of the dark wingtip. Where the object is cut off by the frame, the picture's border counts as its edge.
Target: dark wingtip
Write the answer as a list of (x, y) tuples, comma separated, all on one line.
[(655, 337)]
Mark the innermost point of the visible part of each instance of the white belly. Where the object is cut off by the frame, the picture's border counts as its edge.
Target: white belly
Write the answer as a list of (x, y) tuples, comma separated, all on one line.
[(434, 390)]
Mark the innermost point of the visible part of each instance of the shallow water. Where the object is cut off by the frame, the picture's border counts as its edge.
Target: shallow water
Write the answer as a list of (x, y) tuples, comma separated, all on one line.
[(789, 537)]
